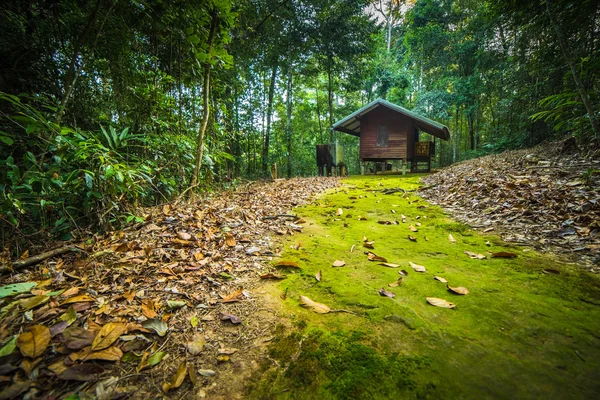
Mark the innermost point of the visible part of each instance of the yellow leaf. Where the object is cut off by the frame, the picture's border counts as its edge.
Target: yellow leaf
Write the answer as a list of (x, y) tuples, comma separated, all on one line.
[(417, 267), (313, 305), (439, 278), (338, 263), (440, 302), (229, 240), (235, 296), (34, 342), (339, 211), (82, 298), (451, 238), (177, 379), (148, 308), (108, 335)]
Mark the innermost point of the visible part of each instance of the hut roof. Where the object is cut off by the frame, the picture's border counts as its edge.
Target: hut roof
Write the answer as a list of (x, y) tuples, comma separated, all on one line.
[(351, 123)]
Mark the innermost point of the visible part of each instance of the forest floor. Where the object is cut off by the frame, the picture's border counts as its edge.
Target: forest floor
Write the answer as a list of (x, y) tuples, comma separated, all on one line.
[(311, 288)]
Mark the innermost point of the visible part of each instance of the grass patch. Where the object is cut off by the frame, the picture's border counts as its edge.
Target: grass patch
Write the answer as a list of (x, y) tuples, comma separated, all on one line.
[(519, 333)]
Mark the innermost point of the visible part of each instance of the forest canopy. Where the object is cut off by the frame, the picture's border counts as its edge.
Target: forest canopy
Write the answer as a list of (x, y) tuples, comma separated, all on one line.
[(108, 105)]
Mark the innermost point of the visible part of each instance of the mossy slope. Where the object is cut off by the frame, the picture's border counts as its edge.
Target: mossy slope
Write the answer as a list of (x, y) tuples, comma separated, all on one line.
[(520, 333)]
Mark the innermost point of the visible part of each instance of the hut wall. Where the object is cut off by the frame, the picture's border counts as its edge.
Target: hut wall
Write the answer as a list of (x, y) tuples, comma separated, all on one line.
[(400, 134)]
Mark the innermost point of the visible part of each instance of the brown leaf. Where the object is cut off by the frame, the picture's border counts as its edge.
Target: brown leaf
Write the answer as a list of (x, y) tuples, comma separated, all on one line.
[(369, 245), (338, 263), (385, 293), (76, 338), (148, 308), (396, 284), (34, 342), (82, 372), (286, 264), (434, 301), (417, 267), (403, 272), (196, 345), (339, 212), (14, 390), (503, 254), (451, 238), (374, 257), (108, 335), (313, 305), (390, 265), (229, 240), (177, 379), (412, 228), (110, 354), (70, 292), (385, 222), (235, 296), (230, 317), (272, 276), (361, 218), (439, 278), (184, 235), (549, 271), (412, 238), (318, 276), (458, 290)]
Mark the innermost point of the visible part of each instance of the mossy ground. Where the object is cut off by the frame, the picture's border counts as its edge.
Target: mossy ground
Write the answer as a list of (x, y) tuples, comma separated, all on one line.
[(520, 333)]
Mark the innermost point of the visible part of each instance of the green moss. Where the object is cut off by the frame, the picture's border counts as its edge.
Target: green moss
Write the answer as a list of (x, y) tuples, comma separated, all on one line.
[(519, 333)]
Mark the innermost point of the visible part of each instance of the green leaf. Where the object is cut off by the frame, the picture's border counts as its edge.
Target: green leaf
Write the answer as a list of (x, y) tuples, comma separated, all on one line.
[(9, 347), (16, 288), (193, 39), (156, 358)]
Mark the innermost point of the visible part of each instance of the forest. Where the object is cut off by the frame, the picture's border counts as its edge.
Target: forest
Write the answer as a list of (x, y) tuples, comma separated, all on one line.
[(164, 233), (108, 105)]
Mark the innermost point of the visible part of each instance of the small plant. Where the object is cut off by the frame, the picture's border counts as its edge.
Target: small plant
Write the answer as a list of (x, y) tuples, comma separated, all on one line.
[(588, 175)]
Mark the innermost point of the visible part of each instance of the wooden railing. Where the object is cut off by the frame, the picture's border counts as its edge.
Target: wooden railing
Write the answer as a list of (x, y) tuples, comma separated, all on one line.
[(422, 149)]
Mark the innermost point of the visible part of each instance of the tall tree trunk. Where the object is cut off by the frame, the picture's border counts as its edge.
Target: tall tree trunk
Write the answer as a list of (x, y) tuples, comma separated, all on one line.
[(455, 137), (580, 86), (288, 127), (318, 108), (471, 130), (330, 97), (205, 102), (71, 76), (265, 155)]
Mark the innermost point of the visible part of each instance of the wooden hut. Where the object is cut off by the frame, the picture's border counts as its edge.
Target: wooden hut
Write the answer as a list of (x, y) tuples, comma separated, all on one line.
[(390, 132)]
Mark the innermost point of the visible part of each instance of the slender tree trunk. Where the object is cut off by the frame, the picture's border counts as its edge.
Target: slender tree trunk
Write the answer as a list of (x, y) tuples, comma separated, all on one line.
[(580, 86), (288, 127), (471, 130), (318, 108), (455, 138), (71, 76), (205, 103), (330, 97), (265, 155)]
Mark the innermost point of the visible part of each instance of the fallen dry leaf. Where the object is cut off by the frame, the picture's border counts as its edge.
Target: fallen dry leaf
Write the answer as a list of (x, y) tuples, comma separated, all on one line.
[(434, 301), (229, 240), (235, 296), (34, 341), (403, 272), (339, 212), (417, 267), (369, 245), (196, 345), (318, 276), (230, 317), (474, 255), (148, 309), (385, 293), (82, 298), (412, 228), (273, 276), (313, 305), (412, 238), (451, 238), (458, 290), (157, 326), (503, 254), (286, 264), (82, 373), (374, 257), (439, 278), (184, 235), (390, 265), (177, 378), (396, 284), (108, 335), (338, 263), (549, 271)]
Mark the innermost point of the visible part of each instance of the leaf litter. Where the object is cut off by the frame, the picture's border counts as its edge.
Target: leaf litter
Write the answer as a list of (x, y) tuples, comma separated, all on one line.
[(131, 295)]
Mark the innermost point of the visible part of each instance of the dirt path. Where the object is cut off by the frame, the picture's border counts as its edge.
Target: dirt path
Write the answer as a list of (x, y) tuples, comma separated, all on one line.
[(528, 327)]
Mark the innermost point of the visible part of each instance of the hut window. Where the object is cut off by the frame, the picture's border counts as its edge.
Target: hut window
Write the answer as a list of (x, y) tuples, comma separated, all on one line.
[(382, 136)]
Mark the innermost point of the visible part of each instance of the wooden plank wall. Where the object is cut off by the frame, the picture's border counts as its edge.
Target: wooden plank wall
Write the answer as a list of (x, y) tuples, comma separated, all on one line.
[(401, 132)]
